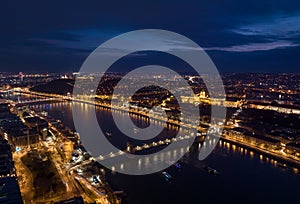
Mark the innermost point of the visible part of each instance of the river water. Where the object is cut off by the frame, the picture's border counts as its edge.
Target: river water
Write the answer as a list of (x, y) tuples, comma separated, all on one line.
[(245, 176)]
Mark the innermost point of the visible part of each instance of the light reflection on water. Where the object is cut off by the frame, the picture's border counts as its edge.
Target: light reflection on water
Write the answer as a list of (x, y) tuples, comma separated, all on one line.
[(63, 111), (243, 173)]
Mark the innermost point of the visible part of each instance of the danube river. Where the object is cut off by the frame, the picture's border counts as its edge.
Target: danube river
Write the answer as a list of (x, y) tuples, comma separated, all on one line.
[(245, 176)]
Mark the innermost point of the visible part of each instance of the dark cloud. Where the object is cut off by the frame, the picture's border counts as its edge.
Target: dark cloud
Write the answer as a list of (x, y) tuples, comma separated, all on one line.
[(239, 35)]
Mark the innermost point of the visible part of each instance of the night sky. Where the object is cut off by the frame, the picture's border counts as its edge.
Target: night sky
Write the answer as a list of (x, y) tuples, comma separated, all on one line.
[(240, 36)]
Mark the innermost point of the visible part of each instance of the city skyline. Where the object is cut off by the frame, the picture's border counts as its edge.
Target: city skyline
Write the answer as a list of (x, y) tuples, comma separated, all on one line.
[(142, 102), (258, 147)]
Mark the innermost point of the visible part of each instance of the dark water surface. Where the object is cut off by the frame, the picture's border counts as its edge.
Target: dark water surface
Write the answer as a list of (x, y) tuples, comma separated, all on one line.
[(245, 176)]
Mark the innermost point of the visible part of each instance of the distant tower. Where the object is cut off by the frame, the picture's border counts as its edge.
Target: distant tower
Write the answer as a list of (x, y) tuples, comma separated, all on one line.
[(21, 76)]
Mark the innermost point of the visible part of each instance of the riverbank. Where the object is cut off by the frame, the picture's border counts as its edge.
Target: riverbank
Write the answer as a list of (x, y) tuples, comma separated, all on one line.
[(278, 155)]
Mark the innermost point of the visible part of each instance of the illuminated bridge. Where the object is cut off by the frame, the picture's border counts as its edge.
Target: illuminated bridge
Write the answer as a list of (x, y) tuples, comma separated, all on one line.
[(38, 100)]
